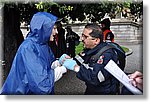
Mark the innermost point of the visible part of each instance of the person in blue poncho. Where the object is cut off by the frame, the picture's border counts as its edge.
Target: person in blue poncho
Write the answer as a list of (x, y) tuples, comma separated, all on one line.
[(34, 69)]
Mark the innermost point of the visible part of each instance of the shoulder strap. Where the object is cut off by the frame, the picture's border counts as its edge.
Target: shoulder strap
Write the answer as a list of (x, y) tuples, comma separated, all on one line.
[(95, 57)]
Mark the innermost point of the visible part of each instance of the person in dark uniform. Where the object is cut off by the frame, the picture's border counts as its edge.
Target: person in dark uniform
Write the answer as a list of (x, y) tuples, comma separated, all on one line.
[(96, 78), (107, 33)]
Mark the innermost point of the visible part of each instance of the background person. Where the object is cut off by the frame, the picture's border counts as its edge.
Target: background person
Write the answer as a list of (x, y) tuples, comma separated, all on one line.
[(107, 33), (71, 37), (61, 39), (136, 81)]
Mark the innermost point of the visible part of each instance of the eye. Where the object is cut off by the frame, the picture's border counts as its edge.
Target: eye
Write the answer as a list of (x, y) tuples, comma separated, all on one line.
[(84, 36)]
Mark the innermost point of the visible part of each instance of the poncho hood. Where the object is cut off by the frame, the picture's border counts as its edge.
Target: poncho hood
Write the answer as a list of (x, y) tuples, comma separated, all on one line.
[(41, 26)]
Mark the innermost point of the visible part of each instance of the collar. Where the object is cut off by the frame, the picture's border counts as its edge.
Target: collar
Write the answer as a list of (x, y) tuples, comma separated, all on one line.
[(95, 49)]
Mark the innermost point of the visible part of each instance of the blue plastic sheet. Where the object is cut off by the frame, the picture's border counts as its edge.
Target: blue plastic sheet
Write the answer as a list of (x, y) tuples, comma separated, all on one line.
[(31, 71)]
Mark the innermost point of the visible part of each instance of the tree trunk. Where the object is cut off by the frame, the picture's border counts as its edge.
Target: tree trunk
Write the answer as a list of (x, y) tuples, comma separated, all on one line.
[(12, 35)]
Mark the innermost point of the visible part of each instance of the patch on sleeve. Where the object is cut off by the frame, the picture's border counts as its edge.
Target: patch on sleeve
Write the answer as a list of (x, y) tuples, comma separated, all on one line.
[(100, 60)]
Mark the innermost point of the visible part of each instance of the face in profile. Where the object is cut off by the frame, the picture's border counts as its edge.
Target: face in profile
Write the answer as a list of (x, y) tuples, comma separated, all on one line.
[(54, 32), (88, 41)]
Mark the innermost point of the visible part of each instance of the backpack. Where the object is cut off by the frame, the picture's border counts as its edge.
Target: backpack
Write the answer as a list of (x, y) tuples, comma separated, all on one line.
[(120, 52)]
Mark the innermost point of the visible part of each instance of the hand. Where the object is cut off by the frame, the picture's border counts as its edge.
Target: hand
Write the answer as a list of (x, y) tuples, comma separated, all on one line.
[(70, 64), (63, 58), (55, 64), (137, 79)]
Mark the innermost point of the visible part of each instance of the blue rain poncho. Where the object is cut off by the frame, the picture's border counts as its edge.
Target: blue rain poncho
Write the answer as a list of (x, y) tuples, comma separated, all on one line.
[(31, 71)]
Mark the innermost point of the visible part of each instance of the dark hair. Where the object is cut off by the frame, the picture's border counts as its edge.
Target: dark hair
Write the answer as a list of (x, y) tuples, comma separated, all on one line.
[(96, 31), (58, 24), (106, 22)]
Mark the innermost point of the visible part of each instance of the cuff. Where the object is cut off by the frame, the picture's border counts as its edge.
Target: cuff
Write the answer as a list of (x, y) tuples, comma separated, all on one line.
[(77, 68)]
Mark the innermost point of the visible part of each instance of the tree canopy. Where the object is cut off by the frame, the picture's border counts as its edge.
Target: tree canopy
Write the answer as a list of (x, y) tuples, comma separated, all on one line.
[(94, 12)]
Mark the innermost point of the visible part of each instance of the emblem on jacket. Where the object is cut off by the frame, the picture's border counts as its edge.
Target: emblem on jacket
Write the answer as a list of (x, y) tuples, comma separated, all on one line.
[(100, 60)]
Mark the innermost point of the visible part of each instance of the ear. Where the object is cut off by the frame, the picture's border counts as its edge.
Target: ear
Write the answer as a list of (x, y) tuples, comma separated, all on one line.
[(97, 41)]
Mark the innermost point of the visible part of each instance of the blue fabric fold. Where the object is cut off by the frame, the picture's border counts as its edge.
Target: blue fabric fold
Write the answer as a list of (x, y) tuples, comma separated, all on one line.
[(31, 71)]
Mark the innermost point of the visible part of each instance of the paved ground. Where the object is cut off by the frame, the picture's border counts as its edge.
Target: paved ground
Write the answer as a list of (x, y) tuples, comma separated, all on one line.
[(69, 84), (135, 60)]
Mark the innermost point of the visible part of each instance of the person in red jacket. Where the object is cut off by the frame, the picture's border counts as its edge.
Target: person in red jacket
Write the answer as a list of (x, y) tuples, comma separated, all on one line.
[(107, 33)]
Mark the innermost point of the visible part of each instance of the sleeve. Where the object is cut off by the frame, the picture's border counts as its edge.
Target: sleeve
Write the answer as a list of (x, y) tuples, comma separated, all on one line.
[(39, 74), (59, 71), (97, 73)]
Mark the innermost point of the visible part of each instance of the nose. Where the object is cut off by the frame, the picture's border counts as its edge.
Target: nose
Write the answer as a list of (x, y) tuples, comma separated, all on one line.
[(82, 39), (56, 31)]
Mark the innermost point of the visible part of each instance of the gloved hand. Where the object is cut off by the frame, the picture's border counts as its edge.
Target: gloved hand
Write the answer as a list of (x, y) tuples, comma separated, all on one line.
[(62, 58), (55, 64), (69, 64)]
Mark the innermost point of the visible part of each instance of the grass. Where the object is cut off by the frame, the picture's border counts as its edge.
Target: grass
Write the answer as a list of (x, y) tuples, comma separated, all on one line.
[(125, 49), (79, 48)]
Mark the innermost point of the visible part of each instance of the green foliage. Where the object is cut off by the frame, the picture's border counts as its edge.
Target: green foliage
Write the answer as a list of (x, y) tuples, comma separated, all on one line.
[(26, 12), (39, 6), (127, 3), (125, 48), (136, 9), (60, 10), (94, 12), (80, 48)]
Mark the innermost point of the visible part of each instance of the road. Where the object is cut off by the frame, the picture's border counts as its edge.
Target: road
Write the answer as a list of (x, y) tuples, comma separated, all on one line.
[(71, 85)]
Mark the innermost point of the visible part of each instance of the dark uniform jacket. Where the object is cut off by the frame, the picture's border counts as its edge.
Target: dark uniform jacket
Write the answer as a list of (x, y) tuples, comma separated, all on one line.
[(96, 78)]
